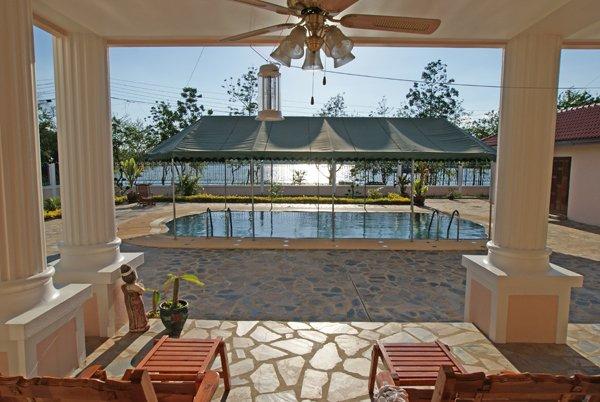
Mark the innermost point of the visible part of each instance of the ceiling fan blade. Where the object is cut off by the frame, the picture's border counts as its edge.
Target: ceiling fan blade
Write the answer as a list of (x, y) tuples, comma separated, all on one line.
[(334, 6), (395, 24), (267, 6), (257, 32)]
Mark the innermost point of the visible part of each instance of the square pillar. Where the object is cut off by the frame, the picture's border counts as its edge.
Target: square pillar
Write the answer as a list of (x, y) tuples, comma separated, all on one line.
[(513, 293), (41, 327), (90, 249)]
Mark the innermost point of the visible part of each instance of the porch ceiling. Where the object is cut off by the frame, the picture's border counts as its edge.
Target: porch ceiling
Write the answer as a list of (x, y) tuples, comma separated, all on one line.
[(204, 22)]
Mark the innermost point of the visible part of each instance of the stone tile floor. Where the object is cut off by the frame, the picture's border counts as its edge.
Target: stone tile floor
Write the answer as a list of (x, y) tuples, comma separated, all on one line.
[(336, 285), (290, 361)]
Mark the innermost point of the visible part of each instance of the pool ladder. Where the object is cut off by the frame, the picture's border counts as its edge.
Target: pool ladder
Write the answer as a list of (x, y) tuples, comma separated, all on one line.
[(455, 212), (437, 231), (209, 220), (228, 223)]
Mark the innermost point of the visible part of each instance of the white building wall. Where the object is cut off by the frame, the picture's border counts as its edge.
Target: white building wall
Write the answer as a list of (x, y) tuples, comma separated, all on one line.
[(584, 186)]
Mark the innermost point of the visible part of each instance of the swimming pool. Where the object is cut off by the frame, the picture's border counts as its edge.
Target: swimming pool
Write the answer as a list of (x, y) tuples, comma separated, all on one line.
[(316, 225)]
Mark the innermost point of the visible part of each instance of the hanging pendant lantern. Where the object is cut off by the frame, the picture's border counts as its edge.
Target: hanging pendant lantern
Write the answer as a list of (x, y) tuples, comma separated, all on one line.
[(270, 93)]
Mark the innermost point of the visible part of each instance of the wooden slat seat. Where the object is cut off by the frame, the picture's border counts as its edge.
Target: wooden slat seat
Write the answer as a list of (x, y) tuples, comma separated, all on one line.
[(412, 363), (452, 386), (92, 385), (174, 359)]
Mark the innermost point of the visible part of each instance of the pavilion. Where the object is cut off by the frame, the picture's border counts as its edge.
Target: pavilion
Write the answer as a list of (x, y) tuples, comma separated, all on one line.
[(513, 293)]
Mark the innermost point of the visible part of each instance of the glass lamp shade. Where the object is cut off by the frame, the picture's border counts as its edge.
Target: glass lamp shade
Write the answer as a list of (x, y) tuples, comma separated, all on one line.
[(344, 60), (312, 61), (269, 100), (281, 54), (296, 42), (339, 44)]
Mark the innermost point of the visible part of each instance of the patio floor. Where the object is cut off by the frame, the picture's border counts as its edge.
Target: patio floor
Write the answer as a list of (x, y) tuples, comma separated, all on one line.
[(290, 361), (336, 285)]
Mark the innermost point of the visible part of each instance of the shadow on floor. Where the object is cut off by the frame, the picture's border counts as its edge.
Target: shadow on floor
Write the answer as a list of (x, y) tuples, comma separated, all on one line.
[(543, 358), (111, 354), (575, 225)]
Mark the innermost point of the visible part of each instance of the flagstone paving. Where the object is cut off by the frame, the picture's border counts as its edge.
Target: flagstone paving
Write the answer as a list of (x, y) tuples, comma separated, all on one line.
[(335, 285), (285, 366)]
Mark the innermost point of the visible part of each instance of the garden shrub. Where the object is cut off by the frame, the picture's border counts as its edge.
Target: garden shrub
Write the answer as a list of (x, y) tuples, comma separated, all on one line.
[(52, 204)]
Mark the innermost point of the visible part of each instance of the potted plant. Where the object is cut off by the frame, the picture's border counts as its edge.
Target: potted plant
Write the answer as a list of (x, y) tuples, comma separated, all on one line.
[(173, 313), (419, 191)]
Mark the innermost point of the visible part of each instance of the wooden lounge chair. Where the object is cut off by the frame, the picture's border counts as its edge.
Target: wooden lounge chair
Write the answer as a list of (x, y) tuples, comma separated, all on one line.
[(92, 385), (412, 363), (144, 193), (176, 359), (452, 386)]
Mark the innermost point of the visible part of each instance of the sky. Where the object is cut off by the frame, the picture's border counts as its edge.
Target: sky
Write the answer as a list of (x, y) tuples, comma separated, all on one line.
[(141, 76)]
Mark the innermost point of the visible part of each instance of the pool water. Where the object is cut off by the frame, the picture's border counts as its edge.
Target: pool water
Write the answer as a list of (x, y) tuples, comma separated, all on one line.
[(315, 225)]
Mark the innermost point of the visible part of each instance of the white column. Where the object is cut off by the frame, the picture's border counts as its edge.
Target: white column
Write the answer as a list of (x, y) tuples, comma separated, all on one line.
[(525, 152), (26, 288), (514, 294), (90, 249), (85, 150)]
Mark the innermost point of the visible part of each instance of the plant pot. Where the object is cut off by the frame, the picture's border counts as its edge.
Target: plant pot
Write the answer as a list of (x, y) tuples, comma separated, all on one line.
[(419, 200), (174, 318), (132, 197)]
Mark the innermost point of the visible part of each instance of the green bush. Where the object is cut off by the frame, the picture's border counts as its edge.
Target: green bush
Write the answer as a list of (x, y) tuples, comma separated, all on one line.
[(57, 213), (188, 185), (454, 194), (52, 204), (375, 193)]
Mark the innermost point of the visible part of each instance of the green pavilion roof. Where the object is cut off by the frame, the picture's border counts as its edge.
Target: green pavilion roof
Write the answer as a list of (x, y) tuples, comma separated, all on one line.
[(322, 138)]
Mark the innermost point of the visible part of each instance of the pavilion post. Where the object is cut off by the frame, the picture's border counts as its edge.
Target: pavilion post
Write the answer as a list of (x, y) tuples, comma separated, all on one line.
[(491, 198), (262, 177), (333, 186), (271, 192), (412, 200), (252, 196), (225, 186), (365, 199), (174, 199)]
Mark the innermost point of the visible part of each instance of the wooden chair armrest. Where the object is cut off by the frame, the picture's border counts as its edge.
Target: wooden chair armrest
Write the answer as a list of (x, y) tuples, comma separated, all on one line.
[(384, 378), (93, 371), (206, 387)]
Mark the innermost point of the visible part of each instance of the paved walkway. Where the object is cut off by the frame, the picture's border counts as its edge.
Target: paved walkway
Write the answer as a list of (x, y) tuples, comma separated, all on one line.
[(292, 361)]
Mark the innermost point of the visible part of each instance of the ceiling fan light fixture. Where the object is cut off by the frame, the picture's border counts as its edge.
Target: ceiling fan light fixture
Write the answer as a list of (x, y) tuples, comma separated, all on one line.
[(312, 61), (296, 40), (343, 60), (339, 44)]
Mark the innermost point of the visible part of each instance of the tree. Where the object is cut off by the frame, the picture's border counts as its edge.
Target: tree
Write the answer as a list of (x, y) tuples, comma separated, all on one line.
[(484, 126), (573, 98), (132, 171), (433, 96), (243, 93), (382, 109), (130, 139), (168, 121), (334, 107), (47, 132)]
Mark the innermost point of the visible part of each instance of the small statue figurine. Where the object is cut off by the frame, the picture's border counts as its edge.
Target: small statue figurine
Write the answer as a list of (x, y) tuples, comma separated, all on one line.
[(133, 291)]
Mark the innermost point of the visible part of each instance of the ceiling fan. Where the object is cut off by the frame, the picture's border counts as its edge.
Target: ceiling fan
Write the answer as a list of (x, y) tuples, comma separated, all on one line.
[(316, 31)]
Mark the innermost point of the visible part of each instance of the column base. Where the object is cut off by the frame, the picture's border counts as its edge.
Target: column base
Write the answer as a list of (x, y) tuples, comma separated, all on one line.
[(532, 307), (47, 339), (105, 312)]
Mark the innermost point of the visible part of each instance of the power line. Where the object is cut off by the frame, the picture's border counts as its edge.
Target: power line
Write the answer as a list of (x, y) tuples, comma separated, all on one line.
[(195, 65)]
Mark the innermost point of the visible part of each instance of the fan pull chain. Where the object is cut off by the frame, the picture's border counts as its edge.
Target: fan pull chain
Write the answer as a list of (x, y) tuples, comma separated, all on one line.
[(312, 95), (325, 73)]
